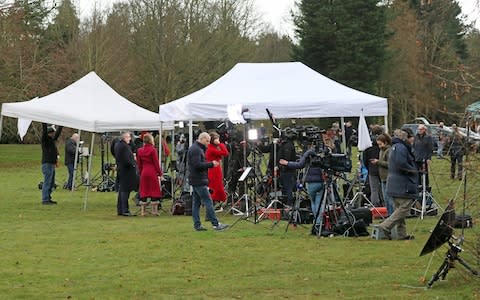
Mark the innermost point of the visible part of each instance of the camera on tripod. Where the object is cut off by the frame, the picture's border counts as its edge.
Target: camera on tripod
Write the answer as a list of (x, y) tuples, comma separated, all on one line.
[(329, 161)]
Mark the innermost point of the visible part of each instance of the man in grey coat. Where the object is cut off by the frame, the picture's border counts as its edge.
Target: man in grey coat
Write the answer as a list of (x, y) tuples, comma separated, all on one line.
[(402, 183)]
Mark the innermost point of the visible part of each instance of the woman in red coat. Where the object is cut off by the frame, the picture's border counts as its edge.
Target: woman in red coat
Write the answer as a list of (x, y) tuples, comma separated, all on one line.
[(216, 151), (150, 175)]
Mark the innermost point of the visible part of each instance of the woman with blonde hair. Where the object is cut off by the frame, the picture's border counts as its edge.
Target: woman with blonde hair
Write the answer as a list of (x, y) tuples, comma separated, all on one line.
[(150, 175)]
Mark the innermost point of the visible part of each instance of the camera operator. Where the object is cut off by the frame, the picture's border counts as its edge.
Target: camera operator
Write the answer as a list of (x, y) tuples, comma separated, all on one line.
[(314, 180), (370, 155), (70, 149), (348, 131), (236, 162), (287, 176)]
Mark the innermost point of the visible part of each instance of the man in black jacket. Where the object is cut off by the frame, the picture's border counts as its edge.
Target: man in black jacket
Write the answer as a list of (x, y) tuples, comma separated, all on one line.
[(49, 161), (369, 155), (70, 149), (287, 176), (126, 173), (422, 150), (198, 178)]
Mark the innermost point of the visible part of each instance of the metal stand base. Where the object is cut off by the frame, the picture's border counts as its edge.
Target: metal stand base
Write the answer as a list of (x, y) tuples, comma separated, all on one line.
[(450, 257)]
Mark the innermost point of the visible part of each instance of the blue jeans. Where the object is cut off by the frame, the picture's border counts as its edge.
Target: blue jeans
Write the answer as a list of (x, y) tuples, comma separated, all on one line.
[(200, 196), (315, 192), (388, 200), (70, 176), (48, 171)]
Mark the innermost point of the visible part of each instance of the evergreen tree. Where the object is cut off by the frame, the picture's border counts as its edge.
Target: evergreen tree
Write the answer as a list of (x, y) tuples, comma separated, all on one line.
[(344, 40)]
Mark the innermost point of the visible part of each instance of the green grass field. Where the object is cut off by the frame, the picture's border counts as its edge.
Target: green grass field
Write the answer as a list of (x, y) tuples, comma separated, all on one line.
[(64, 252)]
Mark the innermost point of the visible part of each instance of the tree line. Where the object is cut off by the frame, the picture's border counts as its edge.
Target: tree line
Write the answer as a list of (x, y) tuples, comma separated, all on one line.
[(417, 53)]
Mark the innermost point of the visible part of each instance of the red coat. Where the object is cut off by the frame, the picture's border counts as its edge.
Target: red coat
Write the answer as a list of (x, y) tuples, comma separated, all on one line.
[(215, 174), (149, 168)]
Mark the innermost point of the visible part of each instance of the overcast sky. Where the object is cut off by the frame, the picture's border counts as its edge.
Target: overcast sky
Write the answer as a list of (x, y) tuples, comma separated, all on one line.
[(276, 12)]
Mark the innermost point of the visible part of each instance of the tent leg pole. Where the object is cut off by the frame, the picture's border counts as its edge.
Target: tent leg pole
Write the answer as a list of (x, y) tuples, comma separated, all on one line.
[(89, 173), (385, 122), (160, 145), (75, 163), (1, 126), (342, 128)]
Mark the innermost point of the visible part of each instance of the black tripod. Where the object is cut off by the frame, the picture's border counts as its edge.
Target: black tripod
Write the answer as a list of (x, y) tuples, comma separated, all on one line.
[(295, 215), (107, 183), (329, 201), (451, 256)]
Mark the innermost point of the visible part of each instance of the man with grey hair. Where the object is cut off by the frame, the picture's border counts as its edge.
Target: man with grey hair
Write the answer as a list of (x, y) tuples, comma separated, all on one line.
[(70, 149), (402, 183), (198, 178), (126, 173), (422, 150)]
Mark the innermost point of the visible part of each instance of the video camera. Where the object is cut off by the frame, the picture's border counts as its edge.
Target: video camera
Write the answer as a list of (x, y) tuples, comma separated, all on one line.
[(331, 161)]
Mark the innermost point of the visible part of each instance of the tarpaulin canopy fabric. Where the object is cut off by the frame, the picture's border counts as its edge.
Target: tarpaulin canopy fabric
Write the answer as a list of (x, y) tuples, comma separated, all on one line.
[(88, 104), (288, 90)]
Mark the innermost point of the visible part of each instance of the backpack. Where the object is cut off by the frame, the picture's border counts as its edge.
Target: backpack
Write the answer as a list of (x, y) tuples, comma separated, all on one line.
[(178, 207)]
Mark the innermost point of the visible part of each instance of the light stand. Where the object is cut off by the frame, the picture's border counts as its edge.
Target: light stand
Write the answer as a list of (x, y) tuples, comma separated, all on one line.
[(425, 195), (273, 203)]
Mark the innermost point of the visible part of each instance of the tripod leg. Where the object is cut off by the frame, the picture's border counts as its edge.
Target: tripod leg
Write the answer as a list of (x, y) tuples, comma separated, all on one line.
[(441, 272), (463, 263), (317, 229)]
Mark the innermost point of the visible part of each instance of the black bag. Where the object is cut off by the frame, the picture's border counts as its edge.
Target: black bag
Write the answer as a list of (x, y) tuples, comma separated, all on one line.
[(463, 221), (178, 207), (343, 227), (362, 213)]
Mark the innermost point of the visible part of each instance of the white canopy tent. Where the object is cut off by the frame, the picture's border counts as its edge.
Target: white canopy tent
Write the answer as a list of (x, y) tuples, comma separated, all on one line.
[(288, 90), (88, 104)]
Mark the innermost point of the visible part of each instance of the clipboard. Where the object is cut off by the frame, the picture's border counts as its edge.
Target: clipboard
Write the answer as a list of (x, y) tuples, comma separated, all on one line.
[(245, 174)]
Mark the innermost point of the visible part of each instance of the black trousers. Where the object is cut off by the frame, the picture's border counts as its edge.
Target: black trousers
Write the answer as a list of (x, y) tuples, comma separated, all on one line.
[(122, 203)]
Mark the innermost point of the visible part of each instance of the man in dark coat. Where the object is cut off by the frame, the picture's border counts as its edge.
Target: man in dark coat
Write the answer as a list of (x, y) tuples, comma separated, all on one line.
[(287, 152), (348, 131), (402, 183), (456, 151), (369, 155), (422, 150), (126, 173), (198, 178), (70, 149), (49, 161)]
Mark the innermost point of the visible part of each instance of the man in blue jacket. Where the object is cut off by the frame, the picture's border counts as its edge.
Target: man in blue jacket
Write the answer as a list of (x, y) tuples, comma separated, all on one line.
[(402, 183), (198, 178)]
